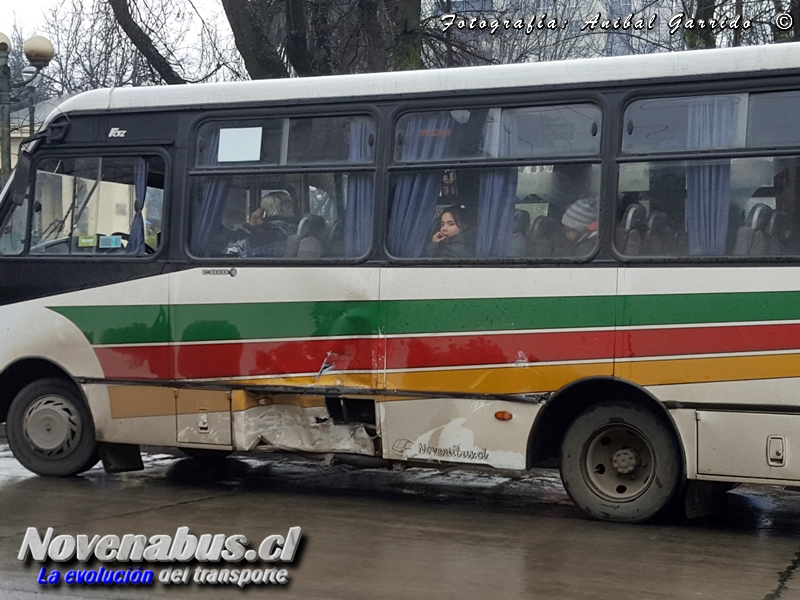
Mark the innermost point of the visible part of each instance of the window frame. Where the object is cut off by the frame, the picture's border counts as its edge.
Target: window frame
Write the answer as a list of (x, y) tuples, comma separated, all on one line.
[(686, 89), (193, 172), (599, 99), (65, 152)]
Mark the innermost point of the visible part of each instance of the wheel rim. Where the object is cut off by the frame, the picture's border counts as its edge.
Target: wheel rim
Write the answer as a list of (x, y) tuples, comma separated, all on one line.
[(618, 463), (52, 425)]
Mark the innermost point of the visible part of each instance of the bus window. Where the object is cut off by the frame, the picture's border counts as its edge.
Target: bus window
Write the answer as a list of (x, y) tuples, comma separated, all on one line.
[(688, 123), (565, 130), (325, 214), (289, 141), (491, 200), (722, 207), (12, 234), (488, 197), (286, 216), (96, 205)]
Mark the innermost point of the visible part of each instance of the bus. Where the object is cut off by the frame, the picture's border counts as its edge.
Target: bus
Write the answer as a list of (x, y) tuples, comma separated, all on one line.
[(590, 265)]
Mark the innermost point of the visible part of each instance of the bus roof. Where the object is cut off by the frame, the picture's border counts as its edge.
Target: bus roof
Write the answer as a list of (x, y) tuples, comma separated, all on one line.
[(695, 63)]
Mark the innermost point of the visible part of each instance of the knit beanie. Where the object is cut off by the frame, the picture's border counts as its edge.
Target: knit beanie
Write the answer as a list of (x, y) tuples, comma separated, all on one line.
[(580, 214)]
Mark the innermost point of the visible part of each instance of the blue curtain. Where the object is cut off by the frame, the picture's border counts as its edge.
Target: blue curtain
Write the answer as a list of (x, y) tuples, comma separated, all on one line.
[(360, 189), (212, 206), (415, 195), (712, 124), (136, 243), (498, 188)]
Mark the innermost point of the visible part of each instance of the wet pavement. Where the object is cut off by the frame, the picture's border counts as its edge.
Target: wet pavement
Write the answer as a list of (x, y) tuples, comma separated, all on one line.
[(419, 533)]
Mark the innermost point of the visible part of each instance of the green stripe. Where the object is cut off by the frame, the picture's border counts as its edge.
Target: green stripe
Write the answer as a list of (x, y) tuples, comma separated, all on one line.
[(119, 324), (497, 314), (214, 322), (735, 307), (219, 322)]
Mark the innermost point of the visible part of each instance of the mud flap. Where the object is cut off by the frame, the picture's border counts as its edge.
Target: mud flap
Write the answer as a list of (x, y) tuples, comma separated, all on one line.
[(118, 458), (704, 498)]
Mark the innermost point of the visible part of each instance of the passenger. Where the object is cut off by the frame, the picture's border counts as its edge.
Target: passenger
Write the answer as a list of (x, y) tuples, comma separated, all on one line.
[(580, 226), (268, 226), (452, 240)]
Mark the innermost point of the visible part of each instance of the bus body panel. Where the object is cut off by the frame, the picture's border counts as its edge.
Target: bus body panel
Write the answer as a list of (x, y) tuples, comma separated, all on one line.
[(497, 331), (723, 341), (442, 430), (277, 325)]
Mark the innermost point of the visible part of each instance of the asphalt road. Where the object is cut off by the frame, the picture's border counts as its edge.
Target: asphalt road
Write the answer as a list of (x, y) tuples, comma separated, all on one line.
[(414, 534)]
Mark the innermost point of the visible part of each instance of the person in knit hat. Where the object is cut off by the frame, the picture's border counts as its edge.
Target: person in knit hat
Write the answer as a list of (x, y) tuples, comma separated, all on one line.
[(580, 225)]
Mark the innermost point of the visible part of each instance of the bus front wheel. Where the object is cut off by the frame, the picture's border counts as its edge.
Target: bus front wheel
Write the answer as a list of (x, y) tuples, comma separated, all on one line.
[(619, 462), (50, 429)]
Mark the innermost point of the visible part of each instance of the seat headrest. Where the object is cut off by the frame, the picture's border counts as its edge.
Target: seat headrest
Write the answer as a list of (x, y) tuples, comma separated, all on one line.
[(311, 225), (759, 216), (779, 225), (522, 221), (634, 217)]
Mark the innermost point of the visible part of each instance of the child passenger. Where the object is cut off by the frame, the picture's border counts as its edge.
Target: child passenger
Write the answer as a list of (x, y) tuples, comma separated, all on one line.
[(580, 226), (452, 240)]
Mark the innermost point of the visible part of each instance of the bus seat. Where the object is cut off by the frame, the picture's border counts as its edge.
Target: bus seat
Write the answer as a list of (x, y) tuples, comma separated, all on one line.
[(519, 239), (547, 238), (628, 236), (750, 237), (307, 242), (655, 240), (778, 232), (335, 243)]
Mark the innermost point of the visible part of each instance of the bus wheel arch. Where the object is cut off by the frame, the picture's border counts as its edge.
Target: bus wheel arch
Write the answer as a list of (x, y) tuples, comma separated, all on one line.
[(610, 410), (23, 372), (49, 425)]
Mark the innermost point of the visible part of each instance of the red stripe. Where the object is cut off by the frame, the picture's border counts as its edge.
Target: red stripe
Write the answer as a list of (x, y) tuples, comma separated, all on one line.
[(139, 362), (241, 359), (311, 356), (707, 340), (453, 351)]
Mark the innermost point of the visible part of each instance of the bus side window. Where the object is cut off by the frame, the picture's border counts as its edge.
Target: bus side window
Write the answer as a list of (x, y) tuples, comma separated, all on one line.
[(722, 207), (486, 199), (12, 231), (333, 209), (97, 206)]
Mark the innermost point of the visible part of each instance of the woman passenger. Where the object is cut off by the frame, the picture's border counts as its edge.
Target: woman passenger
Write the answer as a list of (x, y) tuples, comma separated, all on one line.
[(453, 239)]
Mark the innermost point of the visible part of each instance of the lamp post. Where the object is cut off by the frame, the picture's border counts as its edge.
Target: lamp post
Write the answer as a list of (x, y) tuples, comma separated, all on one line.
[(39, 52)]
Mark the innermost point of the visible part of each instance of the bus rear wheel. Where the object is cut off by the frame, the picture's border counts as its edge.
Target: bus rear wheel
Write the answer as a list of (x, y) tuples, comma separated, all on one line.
[(619, 462), (50, 429)]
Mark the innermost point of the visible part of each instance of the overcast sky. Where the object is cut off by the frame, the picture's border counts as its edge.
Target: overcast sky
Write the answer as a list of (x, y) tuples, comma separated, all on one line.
[(28, 14)]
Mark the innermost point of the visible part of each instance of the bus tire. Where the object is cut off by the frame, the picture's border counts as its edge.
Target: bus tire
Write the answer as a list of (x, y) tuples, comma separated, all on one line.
[(619, 462), (50, 429)]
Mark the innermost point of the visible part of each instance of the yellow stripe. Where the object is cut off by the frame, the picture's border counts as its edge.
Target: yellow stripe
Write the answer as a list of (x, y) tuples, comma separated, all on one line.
[(506, 380), (143, 401), (703, 370)]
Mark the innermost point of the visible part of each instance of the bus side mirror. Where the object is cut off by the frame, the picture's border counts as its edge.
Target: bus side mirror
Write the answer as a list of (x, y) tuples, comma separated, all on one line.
[(21, 179)]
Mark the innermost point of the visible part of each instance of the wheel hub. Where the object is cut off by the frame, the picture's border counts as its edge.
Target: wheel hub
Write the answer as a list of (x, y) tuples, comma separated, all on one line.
[(618, 463), (51, 424), (625, 460)]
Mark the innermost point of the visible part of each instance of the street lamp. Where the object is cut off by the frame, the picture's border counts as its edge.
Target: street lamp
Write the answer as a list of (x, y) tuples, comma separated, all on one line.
[(39, 52)]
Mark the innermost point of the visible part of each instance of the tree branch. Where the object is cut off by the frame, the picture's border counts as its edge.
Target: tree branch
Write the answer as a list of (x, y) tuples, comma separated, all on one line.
[(143, 42)]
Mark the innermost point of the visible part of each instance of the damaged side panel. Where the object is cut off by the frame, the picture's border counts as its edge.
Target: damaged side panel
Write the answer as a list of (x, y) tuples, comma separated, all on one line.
[(296, 424)]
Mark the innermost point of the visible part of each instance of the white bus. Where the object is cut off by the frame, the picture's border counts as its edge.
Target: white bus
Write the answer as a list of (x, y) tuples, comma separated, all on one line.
[(592, 265)]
